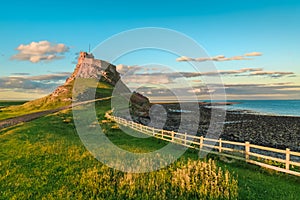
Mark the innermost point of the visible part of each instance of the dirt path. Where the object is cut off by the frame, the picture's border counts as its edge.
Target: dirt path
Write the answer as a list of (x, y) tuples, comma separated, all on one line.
[(28, 117)]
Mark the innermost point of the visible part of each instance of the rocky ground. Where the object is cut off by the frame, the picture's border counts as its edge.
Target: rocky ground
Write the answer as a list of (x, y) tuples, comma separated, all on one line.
[(273, 131)]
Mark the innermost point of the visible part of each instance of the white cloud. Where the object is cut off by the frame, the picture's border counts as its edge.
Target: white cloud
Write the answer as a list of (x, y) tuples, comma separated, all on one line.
[(38, 51), (242, 71), (128, 70), (272, 74), (147, 79), (195, 90), (219, 58), (184, 58), (253, 54)]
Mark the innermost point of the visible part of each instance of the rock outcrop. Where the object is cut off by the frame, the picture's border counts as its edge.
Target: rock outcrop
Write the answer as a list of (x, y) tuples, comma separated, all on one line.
[(139, 107), (87, 68), (90, 68)]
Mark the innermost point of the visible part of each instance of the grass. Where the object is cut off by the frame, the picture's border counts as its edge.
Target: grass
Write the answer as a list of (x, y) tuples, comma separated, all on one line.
[(42, 160), (4, 107), (6, 103), (259, 183)]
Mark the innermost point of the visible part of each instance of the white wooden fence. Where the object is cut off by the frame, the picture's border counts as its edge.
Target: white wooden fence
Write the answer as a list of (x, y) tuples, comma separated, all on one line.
[(276, 159)]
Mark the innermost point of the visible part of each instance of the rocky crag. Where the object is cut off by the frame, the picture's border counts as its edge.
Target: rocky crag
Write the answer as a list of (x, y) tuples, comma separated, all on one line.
[(90, 69)]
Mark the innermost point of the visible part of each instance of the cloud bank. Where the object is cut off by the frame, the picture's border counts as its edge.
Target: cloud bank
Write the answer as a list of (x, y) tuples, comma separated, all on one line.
[(41, 83), (239, 72), (40, 51), (139, 75), (272, 74), (233, 91)]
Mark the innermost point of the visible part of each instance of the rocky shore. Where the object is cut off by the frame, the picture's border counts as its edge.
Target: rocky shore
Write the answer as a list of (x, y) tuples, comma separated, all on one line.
[(272, 131)]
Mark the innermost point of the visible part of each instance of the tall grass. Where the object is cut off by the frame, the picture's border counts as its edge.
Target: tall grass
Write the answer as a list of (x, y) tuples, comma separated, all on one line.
[(191, 180)]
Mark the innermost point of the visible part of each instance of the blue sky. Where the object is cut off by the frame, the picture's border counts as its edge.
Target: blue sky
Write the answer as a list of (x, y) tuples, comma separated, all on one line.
[(229, 28)]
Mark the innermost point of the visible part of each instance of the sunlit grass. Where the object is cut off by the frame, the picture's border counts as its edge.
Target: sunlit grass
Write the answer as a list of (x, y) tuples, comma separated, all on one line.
[(182, 180)]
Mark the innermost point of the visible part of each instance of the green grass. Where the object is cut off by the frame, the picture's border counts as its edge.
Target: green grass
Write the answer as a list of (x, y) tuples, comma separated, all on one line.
[(47, 160), (255, 182), (5, 103)]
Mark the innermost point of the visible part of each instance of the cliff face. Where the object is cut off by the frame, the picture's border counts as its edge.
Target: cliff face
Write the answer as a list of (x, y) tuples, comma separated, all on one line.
[(88, 68)]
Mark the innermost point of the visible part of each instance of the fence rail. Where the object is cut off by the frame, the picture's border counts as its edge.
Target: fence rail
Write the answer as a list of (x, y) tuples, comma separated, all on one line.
[(267, 157)]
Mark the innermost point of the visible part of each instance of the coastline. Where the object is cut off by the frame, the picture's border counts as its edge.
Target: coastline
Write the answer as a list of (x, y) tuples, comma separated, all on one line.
[(287, 107), (241, 125)]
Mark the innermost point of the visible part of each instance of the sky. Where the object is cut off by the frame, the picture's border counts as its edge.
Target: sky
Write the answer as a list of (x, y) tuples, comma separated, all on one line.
[(254, 45)]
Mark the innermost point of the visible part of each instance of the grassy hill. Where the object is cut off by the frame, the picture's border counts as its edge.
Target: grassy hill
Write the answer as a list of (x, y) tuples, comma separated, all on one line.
[(48, 102)]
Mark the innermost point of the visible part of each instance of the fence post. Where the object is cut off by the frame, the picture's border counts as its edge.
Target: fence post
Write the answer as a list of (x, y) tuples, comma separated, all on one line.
[(220, 145), (287, 159), (162, 133), (201, 142), (185, 138), (247, 151), (172, 134), (153, 131)]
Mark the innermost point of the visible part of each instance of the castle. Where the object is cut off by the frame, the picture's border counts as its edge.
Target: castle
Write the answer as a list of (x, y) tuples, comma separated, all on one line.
[(84, 55)]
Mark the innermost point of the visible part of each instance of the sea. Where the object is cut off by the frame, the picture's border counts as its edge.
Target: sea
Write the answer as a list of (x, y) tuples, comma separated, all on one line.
[(266, 107)]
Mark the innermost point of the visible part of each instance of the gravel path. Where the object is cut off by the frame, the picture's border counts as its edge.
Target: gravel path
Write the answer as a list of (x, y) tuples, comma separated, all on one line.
[(28, 117), (25, 118)]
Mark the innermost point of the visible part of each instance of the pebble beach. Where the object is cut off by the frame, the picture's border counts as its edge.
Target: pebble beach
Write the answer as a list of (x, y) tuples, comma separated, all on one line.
[(267, 130)]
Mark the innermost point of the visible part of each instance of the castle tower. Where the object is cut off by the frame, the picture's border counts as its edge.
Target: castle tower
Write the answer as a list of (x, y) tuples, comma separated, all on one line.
[(84, 55)]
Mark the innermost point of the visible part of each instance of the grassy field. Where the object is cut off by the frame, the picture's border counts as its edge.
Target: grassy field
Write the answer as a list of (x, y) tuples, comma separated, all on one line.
[(42, 160), (5, 103)]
